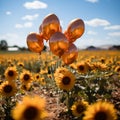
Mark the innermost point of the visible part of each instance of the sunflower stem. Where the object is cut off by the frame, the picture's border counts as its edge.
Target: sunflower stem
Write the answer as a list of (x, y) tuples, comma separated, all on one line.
[(68, 101), (8, 109)]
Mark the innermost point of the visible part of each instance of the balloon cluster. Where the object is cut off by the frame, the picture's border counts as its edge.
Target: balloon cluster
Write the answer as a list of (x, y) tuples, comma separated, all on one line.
[(61, 44)]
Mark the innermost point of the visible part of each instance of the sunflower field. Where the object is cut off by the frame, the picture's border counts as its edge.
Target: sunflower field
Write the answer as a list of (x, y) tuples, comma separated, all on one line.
[(61, 83), (42, 87)]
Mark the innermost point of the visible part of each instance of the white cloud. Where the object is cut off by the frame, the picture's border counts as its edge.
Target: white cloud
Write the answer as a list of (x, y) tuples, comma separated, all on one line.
[(8, 13), (97, 22), (30, 17), (25, 25), (113, 27), (35, 5), (18, 26), (114, 34), (28, 24), (91, 33), (92, 1)]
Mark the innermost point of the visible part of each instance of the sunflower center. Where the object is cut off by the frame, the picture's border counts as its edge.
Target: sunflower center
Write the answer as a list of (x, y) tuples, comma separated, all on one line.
[(103, 61), (24, 87), (66, 80), (37, 76), (21, 64), (81, 67), (7, 88), (80, 108), (101, 116), (118, 70), (10, 73), (26, 77), (30, 113)]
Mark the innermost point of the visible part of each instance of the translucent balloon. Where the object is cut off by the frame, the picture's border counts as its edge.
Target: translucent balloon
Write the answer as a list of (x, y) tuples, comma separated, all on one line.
[(49, 26), (75, 30), (58, 43), (70, 55), (35, 42)]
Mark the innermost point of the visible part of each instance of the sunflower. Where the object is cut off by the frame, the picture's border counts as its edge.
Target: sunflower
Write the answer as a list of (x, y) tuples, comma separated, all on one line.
[(26, 77), (78, 108), (100, 111), (8, 89), (117, 62), (30, 108), (25, 87), (65, 79), (20, 64), (60, 70), (1, 81), (11, 73), (100, 66), (117, 69), (45, 71), (37, 77), (9, 61), (73, 66), (102, 60), (42, 81), (82, 67), (49, 76)]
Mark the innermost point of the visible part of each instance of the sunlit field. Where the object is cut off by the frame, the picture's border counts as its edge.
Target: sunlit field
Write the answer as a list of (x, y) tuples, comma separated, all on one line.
[(42, 87)]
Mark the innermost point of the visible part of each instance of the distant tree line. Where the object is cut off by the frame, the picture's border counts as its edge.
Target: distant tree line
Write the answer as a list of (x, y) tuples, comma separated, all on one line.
[(3, 45)]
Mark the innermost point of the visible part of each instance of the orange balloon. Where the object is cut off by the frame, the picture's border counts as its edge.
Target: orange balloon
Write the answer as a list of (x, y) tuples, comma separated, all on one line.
[(35, 42), (75, 30), (70, 55), (58, 43), (49, 26)]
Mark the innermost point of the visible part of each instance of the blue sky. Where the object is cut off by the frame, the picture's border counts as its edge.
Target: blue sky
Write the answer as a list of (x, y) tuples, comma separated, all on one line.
[(102, 20)]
